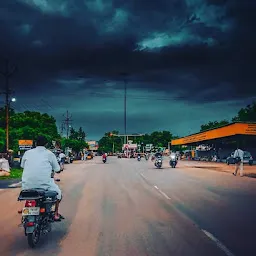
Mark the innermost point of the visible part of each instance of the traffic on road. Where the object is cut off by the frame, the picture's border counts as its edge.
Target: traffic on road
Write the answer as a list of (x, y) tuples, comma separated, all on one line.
[(130, 207)]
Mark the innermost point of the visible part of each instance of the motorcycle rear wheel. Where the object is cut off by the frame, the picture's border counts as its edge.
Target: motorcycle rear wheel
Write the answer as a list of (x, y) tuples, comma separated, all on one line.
[(33, 238)]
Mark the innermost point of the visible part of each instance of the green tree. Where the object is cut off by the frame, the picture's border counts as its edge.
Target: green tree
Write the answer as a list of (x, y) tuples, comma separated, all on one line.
[(247, 114), (28, 125), (213, 125), (157, 138), (109, 142), (2, 139), (76, 145), (77, 135)]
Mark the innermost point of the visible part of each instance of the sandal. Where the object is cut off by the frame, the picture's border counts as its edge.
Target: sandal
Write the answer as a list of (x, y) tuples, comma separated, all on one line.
[(58, 218)]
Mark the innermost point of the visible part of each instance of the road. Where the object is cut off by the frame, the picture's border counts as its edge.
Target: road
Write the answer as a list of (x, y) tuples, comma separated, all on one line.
[(126, 207)]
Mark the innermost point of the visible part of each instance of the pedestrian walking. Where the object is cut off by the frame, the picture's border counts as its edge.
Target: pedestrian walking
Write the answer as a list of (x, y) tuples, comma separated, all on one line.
[(239, 157)]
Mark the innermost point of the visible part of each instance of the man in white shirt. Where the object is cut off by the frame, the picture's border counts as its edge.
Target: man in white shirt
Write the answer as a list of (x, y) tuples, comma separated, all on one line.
[(239, 157), (174, 156), (62, 155), (62, 158), (38, 165)]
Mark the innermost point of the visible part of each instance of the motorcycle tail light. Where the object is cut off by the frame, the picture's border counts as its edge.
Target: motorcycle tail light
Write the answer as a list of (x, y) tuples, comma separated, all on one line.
[(30, 224), (42, 210), (30, 203)]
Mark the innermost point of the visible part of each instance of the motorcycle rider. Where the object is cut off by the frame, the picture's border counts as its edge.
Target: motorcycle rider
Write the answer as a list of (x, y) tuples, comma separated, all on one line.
[(61, 159), (38, 165), (174, 156), (104, 156), (158, 154)]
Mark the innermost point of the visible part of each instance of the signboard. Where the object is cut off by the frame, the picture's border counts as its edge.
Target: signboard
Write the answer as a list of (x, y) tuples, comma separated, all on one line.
[(129, 146), (25, 147), (225, 131), (93, 145), (26, 143), (250, 129)]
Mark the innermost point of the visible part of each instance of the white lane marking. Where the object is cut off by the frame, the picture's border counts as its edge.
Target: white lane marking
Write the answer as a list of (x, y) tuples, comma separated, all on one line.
[(15, 185), (162, 193), (159, 190), (208, 234), (142, 176), (218, 243)]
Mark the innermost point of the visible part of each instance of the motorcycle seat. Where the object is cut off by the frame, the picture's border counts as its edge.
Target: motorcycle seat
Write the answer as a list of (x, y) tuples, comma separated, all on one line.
[(36, 194)]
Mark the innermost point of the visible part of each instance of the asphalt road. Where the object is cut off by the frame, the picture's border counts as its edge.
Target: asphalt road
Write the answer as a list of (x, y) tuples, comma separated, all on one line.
[(126, 207)]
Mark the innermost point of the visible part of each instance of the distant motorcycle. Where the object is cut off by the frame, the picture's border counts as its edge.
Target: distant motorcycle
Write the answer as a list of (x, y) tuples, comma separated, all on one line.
[(173, 161), (139, 158), (104, 160), (159, 162)]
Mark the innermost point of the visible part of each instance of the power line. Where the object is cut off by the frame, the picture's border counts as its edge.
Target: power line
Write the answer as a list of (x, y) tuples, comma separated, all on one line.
[(118, 96)]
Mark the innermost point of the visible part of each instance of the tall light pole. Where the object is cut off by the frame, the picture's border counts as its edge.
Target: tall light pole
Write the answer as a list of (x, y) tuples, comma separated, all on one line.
[(7, 74), (124, 75), (125, 107)]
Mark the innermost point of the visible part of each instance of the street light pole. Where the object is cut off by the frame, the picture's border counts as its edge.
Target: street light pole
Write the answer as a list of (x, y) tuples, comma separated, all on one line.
[(7, 74), (124, 75), (125, 107)]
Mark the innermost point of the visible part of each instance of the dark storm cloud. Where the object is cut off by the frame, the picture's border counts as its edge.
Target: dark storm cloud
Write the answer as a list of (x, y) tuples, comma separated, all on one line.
[(196, 52)]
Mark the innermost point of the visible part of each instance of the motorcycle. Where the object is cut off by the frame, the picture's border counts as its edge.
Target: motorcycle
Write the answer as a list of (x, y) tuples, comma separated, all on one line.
[(38, 213), (104, 160), (173, 161), (138, 158), (159, 162)]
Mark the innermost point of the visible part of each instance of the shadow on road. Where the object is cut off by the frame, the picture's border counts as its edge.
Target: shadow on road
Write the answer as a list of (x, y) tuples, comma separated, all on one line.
[(250, 175)]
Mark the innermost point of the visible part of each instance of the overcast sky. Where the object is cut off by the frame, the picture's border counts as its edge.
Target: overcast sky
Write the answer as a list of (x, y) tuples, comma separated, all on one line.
[(188, 61)]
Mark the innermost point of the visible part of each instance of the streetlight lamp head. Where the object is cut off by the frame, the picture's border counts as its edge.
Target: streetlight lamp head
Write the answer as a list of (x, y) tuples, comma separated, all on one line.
[(13, 99)]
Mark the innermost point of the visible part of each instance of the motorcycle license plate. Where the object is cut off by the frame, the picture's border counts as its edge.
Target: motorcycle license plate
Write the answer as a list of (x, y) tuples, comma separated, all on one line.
[(27, 211)]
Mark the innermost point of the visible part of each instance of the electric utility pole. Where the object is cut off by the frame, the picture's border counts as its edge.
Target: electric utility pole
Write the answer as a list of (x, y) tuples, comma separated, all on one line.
[(67, 122), (7, 73)]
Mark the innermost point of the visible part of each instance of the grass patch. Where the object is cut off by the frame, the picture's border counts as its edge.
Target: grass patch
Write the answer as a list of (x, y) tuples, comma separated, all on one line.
[(16, 173)]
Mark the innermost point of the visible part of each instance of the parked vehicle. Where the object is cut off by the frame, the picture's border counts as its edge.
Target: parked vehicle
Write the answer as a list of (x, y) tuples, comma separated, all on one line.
[(247, 159), (38, 213)]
